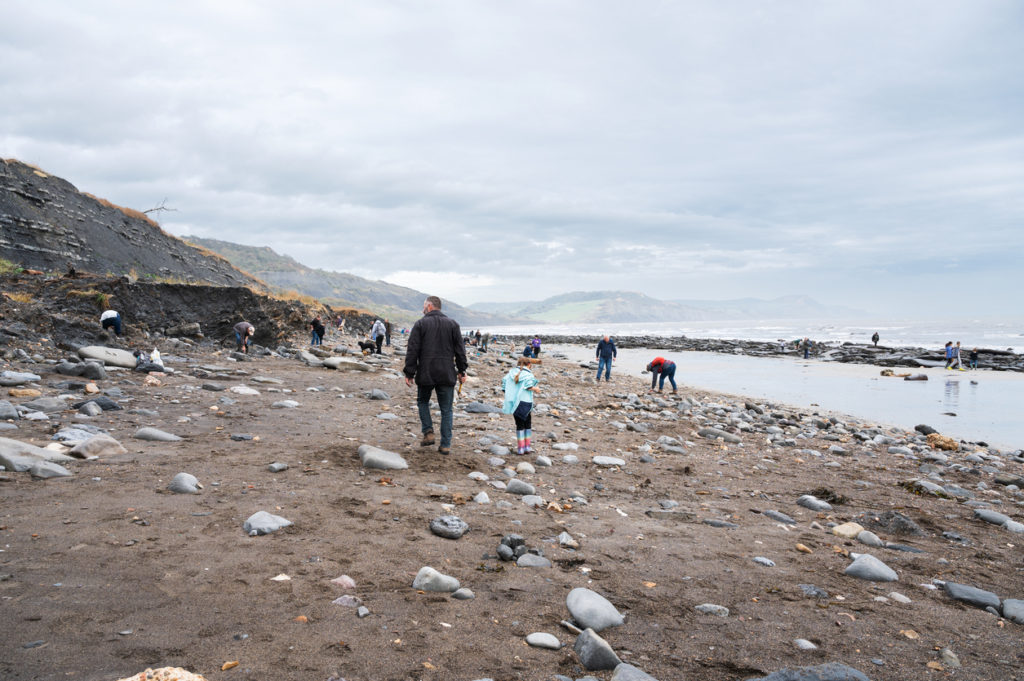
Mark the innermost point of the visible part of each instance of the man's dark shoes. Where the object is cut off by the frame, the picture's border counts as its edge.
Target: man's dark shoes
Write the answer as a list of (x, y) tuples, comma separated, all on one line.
[(445, 450), (428, 439)]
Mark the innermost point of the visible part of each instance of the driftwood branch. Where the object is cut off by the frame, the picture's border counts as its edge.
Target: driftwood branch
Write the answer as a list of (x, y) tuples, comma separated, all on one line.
[(161, 207)]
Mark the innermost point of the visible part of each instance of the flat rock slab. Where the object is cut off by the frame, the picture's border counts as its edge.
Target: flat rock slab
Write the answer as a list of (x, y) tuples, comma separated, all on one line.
[(517, 486), (813, 503), (429, 579), (870, 568), (608, 461), (375, 457), (594, 652), (8, 411), (19, 456), (1013, 610), (244, 390), (780, 517), (285, 404), (155, 435), (972, 595), (11, 378), (675, 514), (990, 516), (47, 405), (591, 610), (46, 469), (481, 408), (97, 446), (832, 671), (346, 364), (715, 433), (104, 402), (532, 560), (262, 522), (112, 356), (627, 672)]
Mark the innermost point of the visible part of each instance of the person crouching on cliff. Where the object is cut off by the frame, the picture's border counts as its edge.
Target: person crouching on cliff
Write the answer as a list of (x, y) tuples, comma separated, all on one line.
[(520, 386)]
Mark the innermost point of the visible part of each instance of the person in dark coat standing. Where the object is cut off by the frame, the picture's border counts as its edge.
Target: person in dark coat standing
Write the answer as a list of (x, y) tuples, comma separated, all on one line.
[(435, 358), (606, 354)]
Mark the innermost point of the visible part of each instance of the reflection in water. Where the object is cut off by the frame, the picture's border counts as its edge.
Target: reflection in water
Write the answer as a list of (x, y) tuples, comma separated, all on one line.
[(951, 396)]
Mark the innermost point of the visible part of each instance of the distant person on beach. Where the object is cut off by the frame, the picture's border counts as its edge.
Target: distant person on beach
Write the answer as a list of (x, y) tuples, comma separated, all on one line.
[(377, 334), (956, 357), (528, 350), (341, 324), (318, 329), (520, 385), (535, 344), (436, 359), (606, 354), (949, 354), (478, 337), (387, 332), (875, 338), (974, 358), (244, 332), (111, 318), (484, 340), (665, 368), (806, 345)]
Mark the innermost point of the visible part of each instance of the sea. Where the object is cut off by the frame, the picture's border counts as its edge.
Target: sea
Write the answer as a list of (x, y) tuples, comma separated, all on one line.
[(976, 406)]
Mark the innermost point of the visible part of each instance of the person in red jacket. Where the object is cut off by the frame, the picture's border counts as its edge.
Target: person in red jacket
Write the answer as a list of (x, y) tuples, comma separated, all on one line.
[(666, 368)]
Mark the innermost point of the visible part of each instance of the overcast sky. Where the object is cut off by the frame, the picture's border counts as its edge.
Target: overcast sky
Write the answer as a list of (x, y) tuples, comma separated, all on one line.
[(866, 153)]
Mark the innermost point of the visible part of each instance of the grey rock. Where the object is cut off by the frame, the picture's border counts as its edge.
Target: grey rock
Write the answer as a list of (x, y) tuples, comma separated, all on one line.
[(594, 652), (505, 552), (1013, 610), (715, 433), (277, 467), (105, 403), (463, 594), (429, 579), (184, 483), (627, 672), (570, 459), (712, 609), (533, 501), (285, 404), (592, 610), (516, 486), (608, 461), (972, 595), (498, 450), (47, 469), (47, 405), (8, 412), (767, 562), (13, 378), (110, 356), (812, 591), (813, 503), (374, 457), (99, 445), (481, 408), (869, 538), (90, 409), (449, 526), (532, 560), (781, 517), (262, 522), (804, 644), (155, 435), (543, 640), (378, 394), (482, 498), (714, 522), (990, 516), (94, 371), (344, 364), (831, 671), (870, 568)]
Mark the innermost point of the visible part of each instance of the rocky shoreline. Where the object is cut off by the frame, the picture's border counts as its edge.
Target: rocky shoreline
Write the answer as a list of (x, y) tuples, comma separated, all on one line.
[(271, 516), (850, 353)]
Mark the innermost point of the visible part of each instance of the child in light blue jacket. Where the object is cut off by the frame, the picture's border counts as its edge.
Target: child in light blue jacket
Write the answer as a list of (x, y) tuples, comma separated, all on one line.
[(520, 385)]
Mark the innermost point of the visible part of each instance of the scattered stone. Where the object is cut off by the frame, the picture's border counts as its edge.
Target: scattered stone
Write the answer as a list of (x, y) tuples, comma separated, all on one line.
[(262, 522), (972, 595), (767, 562), (97, 446), (277, 467), (804, 644), (184, 483), (449, 526), (429, 579), (592, 610), (831, 671), (155, 435), (847, 530), (866, 566), (627, 672), (481, 408), (815, 504), (516, 486), (285, 404), (594, 652), (712, 609), (533, 560), (463, 594), (781, 517), (45, 470), (374, 457), (608, 461), (543, 640)]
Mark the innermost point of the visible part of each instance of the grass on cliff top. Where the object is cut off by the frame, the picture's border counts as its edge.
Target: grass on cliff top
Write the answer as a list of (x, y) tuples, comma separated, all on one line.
[(8, 267)]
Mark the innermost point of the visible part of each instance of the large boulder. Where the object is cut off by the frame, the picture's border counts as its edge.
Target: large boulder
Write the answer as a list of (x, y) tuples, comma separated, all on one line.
[(109, 356)]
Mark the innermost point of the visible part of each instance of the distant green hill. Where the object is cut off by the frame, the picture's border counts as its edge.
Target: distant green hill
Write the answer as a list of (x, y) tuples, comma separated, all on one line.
[(400, 304)]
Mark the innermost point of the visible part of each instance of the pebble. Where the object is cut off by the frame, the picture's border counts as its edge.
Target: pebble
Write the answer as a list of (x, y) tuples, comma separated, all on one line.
[(594, 652), (592, 610), (712, 609), (627, 672), (155, 435), (608, 461), (814, 503), (972, 595), (429, 579), (277, 467), (804, 644), (761, 560), (866, 566), (516, 486), (263, 522), (381, 459), (449, 526), (533, 561), (463, 594), (184, 483), (543, 640)]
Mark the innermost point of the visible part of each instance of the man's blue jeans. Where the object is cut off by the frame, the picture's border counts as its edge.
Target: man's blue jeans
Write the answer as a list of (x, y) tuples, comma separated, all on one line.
[(606, 364), (670, 374), (445, 395)]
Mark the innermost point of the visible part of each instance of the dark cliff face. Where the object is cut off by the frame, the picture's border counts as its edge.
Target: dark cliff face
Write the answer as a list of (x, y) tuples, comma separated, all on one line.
[(47, 224), (66, 310)]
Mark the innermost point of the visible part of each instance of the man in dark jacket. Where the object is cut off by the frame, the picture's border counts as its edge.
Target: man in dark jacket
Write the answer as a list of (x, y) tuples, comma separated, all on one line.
[(436, 358), (606, 354)]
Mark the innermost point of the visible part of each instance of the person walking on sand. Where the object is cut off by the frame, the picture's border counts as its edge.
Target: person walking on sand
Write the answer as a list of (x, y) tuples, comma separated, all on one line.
[(875, 338), (387, 332), (520, 385), (949, 354), (956, 357), (377, 334), (606, 354), (666, 368), (244, 331), (111, 318), (806, 345), (435, 358), (535, 345)]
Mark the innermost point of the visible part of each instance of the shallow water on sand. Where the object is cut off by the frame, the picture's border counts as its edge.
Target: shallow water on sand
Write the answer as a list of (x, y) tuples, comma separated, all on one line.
[(987, 404)]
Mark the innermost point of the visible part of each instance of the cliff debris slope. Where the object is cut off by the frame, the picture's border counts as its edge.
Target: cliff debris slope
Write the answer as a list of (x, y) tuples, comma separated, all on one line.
[(48, 224)]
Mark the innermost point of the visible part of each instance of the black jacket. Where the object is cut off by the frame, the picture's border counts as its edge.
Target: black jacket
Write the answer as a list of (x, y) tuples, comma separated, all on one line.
[(436, 353)]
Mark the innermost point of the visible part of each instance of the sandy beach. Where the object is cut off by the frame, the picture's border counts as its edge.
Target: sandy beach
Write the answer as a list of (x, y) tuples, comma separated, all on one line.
[(106, 572)]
